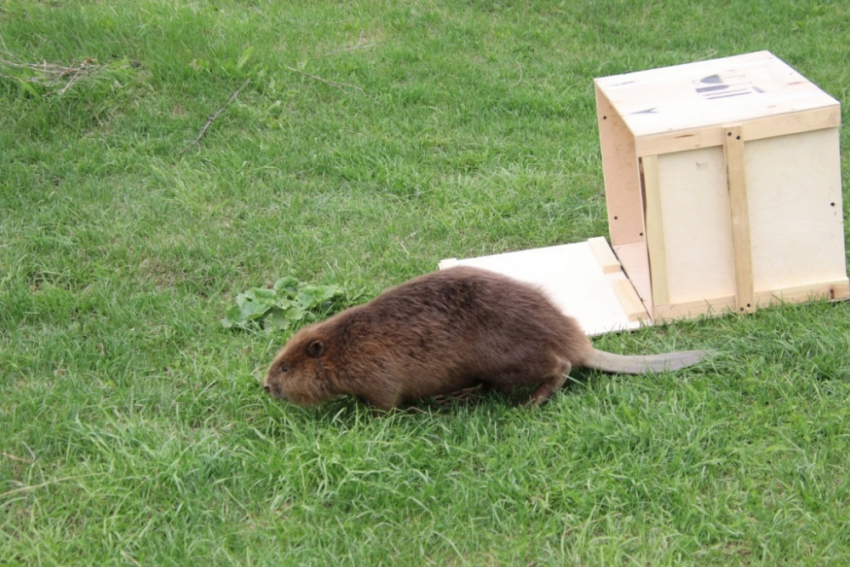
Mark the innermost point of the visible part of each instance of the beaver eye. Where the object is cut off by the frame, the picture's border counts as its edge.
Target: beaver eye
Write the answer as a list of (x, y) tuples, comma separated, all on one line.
[(284, 367)]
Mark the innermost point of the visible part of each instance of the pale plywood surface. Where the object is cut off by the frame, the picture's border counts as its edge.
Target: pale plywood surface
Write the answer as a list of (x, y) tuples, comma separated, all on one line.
[(697, 225), (796, 222), (621, 175), (655, 231), (571, 275), (699, 95)]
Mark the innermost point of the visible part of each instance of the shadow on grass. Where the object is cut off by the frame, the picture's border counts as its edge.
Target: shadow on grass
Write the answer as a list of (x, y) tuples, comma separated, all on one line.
[(349, 413)]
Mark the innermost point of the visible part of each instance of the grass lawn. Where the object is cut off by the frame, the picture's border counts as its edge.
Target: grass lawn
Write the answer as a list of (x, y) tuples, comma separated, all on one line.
[(371, 140)]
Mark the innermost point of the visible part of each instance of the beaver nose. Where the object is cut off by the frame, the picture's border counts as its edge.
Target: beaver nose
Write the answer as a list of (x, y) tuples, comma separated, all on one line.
[(267, 388)]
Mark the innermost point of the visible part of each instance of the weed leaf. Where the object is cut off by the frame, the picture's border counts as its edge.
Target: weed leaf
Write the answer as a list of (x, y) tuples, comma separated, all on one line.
[(287, 305)]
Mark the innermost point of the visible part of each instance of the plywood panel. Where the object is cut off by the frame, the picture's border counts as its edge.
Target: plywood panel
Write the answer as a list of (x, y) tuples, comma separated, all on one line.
[(655, 231), (711, 93), (796, 220), (571, 275), (697, 225), (621, 174)]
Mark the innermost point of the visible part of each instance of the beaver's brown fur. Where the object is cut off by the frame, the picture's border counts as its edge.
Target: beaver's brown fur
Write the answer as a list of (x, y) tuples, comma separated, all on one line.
[(443, 332)]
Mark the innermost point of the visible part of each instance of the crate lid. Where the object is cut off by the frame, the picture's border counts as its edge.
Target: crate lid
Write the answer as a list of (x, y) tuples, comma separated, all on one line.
[(731, 90)]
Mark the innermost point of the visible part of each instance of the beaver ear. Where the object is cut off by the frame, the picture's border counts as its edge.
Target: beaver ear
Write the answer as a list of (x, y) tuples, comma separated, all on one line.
[(315, 349)]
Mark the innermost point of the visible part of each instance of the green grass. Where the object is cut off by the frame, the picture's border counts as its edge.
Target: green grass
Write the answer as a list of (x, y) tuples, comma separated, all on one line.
[(132, 426)]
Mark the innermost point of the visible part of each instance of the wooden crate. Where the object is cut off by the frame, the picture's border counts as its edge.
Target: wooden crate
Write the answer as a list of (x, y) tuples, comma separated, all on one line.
[(723, 188), (723, 185)]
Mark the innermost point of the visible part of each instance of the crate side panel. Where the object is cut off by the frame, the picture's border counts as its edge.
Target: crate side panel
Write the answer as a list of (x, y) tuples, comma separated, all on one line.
[(621, 175), (697, 225), (796, 222)]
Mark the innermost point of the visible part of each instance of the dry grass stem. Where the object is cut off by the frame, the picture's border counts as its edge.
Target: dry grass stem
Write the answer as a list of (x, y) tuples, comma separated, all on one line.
[(330, 83), (212, 118), (14, 458), (49, 74)]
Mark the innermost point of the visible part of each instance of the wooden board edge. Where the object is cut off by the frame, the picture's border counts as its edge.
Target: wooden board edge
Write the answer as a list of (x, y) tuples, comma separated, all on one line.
[(655, 245), (733, 150), (832, 291), (838, 290), (604, 255), (629, 300), (694, 309), (756, 129), (620, 173)]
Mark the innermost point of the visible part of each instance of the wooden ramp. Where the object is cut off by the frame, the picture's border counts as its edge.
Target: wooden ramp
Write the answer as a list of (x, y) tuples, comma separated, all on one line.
[(584, 279)]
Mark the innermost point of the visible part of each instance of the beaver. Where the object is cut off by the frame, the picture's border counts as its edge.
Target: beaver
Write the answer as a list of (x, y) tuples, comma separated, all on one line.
[(443, 332)]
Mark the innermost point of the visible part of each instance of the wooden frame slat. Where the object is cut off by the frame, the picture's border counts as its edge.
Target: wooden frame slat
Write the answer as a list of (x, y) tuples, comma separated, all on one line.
[(736, 180)]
